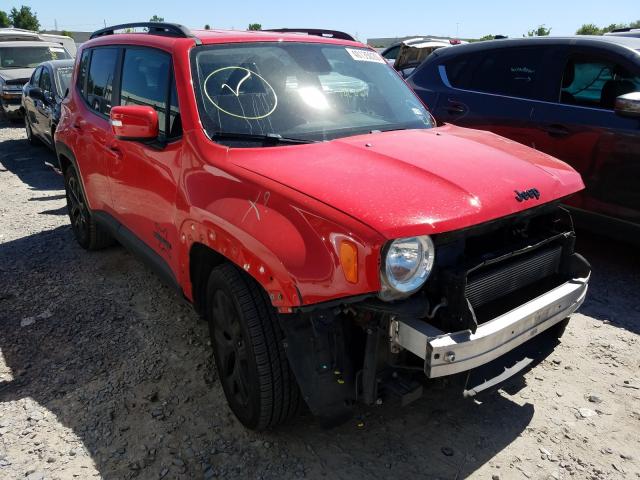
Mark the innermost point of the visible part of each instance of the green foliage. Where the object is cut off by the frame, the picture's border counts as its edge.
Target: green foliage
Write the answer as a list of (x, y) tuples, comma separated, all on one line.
[(589, 29), (255, 26), (24, 18), (156, 18), (207, 27), (4, 20), (541, 31), (66, 33), (487, 37), (592, 29)]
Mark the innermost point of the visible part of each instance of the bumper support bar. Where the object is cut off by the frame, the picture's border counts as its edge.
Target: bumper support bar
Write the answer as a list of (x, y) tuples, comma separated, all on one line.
[(451, 353)]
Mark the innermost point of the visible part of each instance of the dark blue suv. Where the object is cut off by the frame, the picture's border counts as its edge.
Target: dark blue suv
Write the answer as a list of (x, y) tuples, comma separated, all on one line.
[(575, 98)]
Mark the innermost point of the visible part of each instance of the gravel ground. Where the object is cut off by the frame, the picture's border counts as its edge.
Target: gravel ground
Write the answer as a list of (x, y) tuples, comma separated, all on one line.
[(105, 373)]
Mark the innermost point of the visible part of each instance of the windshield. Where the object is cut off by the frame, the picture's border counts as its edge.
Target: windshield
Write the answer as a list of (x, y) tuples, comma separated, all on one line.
[(301, 91), (63, 77), (29, 57)]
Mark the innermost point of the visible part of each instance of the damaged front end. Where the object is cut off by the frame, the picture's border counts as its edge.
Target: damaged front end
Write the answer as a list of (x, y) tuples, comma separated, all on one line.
[(492, 288)]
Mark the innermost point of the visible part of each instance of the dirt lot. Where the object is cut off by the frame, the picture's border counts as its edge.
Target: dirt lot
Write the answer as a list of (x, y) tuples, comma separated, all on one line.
[(105, 373)]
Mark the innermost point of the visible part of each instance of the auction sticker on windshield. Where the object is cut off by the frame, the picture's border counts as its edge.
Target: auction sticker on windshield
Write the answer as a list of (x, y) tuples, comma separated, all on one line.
[(365, 55)]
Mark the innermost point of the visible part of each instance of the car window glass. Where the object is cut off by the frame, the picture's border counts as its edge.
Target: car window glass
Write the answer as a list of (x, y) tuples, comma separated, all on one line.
[(63, 78), (175, 123), (508, 71), (45, 80), (145, 77), (456, 69), (595, 82), (100, 79), (82, 72), (35, 78), (392, 53)]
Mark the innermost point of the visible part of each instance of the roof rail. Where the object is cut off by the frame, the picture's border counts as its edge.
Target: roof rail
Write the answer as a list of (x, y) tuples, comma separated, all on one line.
[(154, 28), (625, 29), (314, 31)]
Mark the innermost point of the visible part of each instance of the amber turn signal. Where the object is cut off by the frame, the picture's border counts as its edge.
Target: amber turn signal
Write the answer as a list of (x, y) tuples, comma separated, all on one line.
[(349, 260)]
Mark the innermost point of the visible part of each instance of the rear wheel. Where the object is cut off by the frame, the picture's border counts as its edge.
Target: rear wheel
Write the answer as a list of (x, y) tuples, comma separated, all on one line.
[(247, 345), (89, 235)]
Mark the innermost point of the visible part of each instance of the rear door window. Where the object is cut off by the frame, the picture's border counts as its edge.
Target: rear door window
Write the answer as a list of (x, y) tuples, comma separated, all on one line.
[(595, 81), (514, 72), (100, 79)]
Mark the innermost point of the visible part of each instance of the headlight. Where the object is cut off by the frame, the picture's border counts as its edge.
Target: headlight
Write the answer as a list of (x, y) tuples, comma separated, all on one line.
[(406, 265)]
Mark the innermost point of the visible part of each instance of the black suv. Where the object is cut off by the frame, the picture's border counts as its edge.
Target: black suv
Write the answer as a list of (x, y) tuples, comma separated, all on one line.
[(576, 98)]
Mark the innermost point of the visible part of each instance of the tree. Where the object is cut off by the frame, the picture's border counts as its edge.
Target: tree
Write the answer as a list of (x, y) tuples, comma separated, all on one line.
[(592, 29), (207, 27), (255, 26), (66, 33), (541, 31), (156, 18), (487, 37), (4, 20), (24, 18), (589, 29)]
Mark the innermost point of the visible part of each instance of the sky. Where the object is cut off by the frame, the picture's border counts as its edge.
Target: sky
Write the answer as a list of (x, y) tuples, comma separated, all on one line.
[(373, 18)]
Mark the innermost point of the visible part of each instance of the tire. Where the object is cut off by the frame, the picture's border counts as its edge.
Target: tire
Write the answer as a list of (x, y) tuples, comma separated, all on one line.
[(31, 138), (89, 235), (247, 345)]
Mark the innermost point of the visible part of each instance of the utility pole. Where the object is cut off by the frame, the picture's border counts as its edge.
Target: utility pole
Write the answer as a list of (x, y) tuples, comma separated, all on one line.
[(55, 23), (457, 29)]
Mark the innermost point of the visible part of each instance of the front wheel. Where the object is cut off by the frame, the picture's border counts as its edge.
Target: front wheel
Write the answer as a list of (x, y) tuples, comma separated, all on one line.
[(247, 345), (31, 138)]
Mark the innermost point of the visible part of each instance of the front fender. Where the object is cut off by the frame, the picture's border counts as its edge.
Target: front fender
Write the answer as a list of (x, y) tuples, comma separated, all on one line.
[(283, 239)]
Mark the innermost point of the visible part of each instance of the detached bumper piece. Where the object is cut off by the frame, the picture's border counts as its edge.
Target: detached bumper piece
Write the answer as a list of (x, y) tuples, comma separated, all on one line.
[(451, 353)]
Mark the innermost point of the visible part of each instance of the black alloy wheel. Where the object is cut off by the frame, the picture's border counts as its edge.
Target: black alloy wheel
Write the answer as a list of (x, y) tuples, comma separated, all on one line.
[(247, 345)]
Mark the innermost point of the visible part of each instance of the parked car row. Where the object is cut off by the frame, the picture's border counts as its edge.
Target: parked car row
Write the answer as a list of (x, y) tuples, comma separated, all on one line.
[(20, 53), (292, 187)]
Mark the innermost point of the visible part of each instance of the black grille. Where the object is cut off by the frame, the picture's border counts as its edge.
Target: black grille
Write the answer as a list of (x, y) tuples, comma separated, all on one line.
[(507, 277)]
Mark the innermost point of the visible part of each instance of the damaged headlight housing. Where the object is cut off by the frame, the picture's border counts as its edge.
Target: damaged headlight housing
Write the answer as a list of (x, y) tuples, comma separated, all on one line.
[(406, 266)]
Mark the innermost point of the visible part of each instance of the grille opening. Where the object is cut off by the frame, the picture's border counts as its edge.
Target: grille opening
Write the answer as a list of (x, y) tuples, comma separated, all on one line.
[(490, 283), (516, 298)]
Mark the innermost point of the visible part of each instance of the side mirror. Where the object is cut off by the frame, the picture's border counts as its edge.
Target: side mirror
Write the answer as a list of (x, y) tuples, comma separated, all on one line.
[(134, 122), (628, 105), (36, 94)]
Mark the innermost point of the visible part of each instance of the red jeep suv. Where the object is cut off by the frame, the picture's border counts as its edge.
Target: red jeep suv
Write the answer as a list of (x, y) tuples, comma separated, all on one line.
[(292, 187)]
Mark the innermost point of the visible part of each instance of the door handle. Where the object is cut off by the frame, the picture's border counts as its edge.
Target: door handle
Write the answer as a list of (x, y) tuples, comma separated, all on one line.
[(455, 108), (115, 152), (557, 131)]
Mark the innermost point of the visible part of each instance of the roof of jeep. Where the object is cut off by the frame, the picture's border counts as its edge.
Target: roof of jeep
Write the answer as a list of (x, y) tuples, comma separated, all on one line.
[(208, 37)]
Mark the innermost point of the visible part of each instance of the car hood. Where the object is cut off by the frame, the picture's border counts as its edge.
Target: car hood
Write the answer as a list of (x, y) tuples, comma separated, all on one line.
[(16, 73), (414, 182)]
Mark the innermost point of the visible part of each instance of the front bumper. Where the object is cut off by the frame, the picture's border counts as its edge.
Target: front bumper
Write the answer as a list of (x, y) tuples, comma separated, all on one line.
[(451, 353), (11, 104)]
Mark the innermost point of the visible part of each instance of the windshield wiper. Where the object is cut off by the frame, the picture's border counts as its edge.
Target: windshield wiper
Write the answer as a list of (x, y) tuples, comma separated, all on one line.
[(269, 138)]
